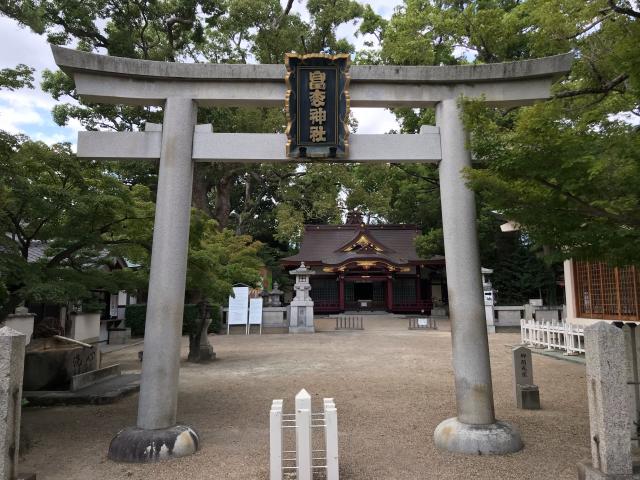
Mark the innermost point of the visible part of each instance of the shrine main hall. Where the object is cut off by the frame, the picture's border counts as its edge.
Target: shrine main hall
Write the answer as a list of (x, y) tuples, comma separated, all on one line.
[(359, 267)]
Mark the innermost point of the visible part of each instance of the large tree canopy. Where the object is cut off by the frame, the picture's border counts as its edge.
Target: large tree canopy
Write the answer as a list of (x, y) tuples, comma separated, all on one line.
[(565, 170), (75, 214)]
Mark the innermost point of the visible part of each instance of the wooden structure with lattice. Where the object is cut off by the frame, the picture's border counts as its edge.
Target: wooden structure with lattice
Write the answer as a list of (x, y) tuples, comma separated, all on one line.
[(603, 292)]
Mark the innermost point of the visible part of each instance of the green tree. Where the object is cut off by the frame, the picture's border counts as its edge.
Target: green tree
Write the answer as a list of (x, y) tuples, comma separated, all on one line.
[(217, 260), (240, 197), (567, 170), (81, 216), (18, 77)]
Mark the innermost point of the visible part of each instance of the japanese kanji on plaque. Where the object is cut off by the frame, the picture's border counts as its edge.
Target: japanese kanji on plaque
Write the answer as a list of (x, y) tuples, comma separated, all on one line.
[(317, 105)]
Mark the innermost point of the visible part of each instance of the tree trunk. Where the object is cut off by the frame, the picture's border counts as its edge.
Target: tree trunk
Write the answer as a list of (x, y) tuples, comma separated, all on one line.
[(223, 200), (201, 187), (200, 350)]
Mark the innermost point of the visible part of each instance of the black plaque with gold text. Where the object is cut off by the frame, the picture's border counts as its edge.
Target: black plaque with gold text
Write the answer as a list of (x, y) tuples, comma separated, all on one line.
[(317, 105)]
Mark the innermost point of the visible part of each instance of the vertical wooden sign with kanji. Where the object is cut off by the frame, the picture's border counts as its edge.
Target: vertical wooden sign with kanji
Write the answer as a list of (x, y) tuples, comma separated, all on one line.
[(317, 105)]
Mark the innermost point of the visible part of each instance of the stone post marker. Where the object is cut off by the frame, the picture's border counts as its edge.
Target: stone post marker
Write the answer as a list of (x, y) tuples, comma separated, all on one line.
[(527, 393), (12, 344), (632, 341), (608, 412)]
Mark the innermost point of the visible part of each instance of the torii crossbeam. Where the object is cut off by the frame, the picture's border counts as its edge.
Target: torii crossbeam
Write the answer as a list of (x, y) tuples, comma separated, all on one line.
[(181, 88)]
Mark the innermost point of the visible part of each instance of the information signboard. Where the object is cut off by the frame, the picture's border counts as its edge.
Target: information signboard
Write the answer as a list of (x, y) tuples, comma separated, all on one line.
[(238, 307), (255, 312)]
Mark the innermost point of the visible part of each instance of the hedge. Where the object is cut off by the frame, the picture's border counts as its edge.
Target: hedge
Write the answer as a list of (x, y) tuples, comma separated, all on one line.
[(135, 316)]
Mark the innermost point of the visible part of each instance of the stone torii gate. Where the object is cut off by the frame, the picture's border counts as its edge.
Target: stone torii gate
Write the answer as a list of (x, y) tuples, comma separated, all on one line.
[(178, 142)]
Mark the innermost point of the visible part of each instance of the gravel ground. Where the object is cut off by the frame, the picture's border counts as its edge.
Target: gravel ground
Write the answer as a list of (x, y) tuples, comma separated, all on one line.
[(392, 387)]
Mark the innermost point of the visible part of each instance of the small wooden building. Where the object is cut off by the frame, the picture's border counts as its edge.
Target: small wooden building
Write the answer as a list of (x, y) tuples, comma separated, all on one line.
[(369, 267)]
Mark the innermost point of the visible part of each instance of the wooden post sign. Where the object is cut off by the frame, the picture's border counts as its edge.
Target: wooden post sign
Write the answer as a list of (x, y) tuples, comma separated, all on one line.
[(317, 105)]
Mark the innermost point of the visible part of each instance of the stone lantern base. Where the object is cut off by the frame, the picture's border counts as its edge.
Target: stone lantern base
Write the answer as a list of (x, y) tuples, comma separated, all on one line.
[(301, 317)]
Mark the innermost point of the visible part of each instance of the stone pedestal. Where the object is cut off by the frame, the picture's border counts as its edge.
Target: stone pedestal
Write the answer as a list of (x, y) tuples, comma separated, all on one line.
[(301, 308), (528, 397), (12, 345), (587, 472), (607, 392), (85, 327)]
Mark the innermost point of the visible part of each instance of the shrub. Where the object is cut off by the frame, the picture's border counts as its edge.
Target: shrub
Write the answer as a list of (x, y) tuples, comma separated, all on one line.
[(134, 317)]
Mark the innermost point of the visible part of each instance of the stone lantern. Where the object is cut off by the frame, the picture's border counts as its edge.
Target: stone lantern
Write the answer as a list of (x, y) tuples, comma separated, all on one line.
[(301, 308), (266, 301), (275, 295)]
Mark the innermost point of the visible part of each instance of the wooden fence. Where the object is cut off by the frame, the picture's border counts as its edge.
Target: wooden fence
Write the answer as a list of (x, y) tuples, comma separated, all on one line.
[(349, 323)]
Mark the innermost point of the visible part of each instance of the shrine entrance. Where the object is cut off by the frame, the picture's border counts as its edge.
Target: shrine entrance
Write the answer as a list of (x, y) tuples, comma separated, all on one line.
[(365, 293), (179, 142)]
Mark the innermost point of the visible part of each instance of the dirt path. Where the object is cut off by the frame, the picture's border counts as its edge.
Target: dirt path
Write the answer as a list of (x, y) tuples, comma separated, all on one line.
[(392, 387)]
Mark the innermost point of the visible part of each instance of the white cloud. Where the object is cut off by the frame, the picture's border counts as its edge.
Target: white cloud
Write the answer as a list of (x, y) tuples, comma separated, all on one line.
[(27, 99), (23, 46), (375, 120), (11, 119), (50, 139), (27, 110)]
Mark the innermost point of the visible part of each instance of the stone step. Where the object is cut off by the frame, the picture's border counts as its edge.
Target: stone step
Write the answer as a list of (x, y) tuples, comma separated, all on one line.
[(107, 391), (78, 382)]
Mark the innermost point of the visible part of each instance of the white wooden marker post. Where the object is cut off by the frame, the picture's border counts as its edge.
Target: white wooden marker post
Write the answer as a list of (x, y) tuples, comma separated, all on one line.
[(275, 440), (331, 438), (303, 436)]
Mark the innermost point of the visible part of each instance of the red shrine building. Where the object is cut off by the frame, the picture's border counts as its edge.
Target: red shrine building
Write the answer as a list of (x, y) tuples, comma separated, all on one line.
[(369, 267)]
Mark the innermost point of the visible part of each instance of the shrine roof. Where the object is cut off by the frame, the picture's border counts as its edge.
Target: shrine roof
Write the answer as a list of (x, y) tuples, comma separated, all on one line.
[(339, 244)]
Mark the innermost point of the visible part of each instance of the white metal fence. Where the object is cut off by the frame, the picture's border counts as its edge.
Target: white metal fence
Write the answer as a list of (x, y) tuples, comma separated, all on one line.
[(553, 335), (302, 460)]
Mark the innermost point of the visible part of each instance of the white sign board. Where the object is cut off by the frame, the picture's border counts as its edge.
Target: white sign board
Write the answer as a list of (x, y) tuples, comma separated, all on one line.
[(238, 307), (113, 306), (423, 322), (255, 312)]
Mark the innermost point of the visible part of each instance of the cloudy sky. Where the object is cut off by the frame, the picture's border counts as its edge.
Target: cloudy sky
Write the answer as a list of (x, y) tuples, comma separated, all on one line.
[(29, 111)]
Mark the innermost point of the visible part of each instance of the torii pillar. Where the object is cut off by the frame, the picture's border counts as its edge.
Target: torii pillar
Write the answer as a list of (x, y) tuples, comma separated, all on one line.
[(475, 429), (180, 88)]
